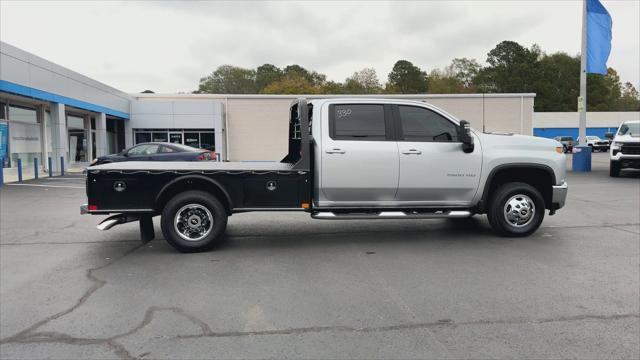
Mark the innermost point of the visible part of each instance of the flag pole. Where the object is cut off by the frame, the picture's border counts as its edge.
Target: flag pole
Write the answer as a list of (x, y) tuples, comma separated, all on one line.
[(582, 100)]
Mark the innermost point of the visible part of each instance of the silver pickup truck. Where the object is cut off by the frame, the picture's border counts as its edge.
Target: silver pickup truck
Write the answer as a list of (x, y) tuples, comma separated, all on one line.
[(347, 159)]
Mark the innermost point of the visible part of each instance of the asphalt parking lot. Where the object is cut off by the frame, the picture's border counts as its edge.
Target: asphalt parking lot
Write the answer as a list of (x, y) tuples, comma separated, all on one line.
[(284, 285)]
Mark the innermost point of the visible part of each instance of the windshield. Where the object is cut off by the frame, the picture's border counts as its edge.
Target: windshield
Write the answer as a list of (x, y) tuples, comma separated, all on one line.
[(593, 138), (633, 129)]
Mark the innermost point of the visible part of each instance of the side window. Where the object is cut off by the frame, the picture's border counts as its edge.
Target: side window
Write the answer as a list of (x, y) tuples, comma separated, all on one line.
[(420, 124), (146, 149), (166, 149), (357, 122)]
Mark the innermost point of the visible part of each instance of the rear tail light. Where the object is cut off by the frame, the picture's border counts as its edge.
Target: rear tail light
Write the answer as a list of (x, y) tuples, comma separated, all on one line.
[(213, 156), (202, 156), (92, 207)]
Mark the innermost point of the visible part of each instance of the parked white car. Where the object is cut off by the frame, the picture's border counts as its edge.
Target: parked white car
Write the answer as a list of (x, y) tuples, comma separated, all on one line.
[(597, 144), (625, 148)]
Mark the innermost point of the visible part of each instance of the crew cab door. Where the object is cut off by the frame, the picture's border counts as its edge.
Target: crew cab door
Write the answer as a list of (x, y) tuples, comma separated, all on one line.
[(434, 170), (359, 155)]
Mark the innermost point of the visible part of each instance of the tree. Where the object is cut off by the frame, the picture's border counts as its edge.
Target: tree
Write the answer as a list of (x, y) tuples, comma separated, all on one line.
[(229, 79), (364, 81), (465, 71), (291, 83), (312, 77), (266, 74), (407, 78), (630, 99), (512, 68), (558, 85), (332, 87), (442, 83)]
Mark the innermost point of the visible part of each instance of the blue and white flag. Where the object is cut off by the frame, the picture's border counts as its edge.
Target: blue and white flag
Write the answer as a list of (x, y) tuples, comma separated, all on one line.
[(598, 37)]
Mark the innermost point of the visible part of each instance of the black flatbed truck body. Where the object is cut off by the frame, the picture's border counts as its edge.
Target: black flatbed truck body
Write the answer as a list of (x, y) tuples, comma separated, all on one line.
[(142, 188)]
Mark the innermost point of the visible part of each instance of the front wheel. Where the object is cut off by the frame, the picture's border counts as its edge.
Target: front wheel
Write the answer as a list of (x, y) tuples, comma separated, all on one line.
[(516, 209), (193, 221)]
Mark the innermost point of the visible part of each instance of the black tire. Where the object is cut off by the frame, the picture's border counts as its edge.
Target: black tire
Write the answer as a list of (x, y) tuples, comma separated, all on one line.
[(497, 209), (565, 149), (614, 169), (203, 207)]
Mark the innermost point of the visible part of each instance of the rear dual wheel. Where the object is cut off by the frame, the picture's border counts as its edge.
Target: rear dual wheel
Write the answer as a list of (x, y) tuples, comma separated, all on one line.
[(193, 221)]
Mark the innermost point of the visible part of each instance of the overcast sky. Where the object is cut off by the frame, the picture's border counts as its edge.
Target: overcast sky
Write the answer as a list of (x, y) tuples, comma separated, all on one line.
[(166, 46)]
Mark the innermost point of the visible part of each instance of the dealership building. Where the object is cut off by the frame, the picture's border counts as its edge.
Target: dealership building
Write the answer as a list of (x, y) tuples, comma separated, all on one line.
[(47, 110)]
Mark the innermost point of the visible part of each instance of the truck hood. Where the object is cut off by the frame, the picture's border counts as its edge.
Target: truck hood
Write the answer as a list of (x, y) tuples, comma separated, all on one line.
[(512, 141), (626, 138)]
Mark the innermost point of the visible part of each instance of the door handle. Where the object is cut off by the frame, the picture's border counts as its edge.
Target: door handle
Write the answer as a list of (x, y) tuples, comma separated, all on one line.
[(412, 152), (335, 151)]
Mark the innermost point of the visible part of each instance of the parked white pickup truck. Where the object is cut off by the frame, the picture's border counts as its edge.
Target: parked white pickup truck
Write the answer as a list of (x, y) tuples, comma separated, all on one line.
[(625, 148), (348, 159), (597, 144)]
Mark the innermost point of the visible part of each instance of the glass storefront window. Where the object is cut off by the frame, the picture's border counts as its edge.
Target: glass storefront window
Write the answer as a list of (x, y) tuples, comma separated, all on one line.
[(23, 136), (175, 138), (78, 146), (75, 123), (207, 141), (22, 114), (192, 139), (142, 137), (202, 139), (160, 137)]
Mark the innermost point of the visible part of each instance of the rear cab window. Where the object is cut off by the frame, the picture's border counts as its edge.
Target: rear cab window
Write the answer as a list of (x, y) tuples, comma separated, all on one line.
[(368, 122)]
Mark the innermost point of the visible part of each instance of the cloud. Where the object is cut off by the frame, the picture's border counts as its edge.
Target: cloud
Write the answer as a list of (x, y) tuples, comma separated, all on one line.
[(167, 46)]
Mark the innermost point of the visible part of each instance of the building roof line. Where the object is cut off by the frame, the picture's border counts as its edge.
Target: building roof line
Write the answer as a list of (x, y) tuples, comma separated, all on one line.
[(329, 96)]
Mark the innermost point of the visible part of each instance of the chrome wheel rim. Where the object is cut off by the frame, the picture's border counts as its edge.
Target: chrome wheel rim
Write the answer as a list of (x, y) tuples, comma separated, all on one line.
[(519, 210), (193, 222)]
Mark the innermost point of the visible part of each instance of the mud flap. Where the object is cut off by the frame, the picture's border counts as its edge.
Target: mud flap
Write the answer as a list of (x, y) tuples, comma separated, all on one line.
[(147, 232)]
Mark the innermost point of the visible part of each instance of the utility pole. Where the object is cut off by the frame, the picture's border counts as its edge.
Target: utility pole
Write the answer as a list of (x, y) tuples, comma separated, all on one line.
[(582, 100)]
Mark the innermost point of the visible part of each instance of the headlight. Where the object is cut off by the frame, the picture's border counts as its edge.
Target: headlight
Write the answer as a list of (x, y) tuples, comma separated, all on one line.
[(616, 146)]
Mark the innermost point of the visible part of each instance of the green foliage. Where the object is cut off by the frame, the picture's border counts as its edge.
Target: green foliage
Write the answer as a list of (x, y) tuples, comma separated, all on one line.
[(630, 99), (292, 82), (364, 81), (267, 74), (511, 68), (229, 79), (314, 78), (443, 83), (558, 85), (407, 78), (465, 71)]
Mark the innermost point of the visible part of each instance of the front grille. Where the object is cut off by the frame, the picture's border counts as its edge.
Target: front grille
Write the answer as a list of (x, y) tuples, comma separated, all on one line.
[(602, 143), (630, 149)]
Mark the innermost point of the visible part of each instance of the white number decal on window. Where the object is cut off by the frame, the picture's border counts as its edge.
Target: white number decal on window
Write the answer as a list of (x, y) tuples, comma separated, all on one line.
[(343, 113)]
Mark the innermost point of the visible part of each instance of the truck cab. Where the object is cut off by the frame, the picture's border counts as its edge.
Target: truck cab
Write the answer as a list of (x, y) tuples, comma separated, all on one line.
[(347, 159)]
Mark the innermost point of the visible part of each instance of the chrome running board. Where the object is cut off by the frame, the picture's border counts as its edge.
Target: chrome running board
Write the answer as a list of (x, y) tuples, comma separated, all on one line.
[(409, 214)]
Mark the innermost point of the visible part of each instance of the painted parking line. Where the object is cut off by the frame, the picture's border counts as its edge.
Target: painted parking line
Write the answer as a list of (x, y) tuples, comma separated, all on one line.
[(51, 186)]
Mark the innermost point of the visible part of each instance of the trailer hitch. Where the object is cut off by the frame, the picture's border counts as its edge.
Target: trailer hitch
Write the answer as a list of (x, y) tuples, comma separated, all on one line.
[(147, 232)]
